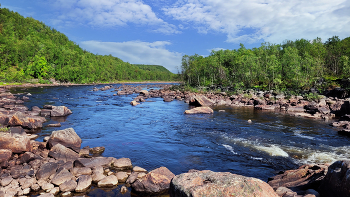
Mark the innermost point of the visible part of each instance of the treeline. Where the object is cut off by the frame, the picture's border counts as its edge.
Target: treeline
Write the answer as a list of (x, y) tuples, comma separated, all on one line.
[(31, 50), (300, 64)]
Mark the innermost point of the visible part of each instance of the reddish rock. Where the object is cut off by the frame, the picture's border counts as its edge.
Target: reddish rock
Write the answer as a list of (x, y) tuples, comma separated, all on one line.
[(5, 155), (15, 142), (208, 183), (156, 181), (25, 121), (305, 177), (67, 138), (46, 170), (200, 110)]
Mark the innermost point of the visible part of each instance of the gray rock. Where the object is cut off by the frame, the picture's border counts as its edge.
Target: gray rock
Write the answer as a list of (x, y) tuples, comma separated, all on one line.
[(122, 176), (132, 178), (96, 161), (68, 186), (62, 177), (81, 171), (35, 187), (47, 186), (6, 181), (58, 111), (60, 152), (27, 157), (55, 190), (84, 182), (46, 195), (96, 177), (67, 138), (46, 170), (26, 182), (108, 181), (122, 163)]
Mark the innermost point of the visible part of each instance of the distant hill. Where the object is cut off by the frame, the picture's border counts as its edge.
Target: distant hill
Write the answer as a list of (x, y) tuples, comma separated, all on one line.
[(152, 68), (31, 50)]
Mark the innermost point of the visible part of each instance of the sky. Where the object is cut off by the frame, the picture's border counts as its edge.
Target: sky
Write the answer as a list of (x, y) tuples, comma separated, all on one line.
[(160, 32)]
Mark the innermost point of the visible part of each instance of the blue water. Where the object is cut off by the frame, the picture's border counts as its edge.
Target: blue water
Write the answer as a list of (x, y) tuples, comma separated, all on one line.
[(158, 133)]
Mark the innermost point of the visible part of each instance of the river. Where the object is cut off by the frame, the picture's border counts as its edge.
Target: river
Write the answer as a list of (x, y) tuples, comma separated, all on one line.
[(158, 133)]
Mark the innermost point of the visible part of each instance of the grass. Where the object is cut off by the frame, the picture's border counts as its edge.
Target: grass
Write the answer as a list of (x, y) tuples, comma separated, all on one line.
[(4, 129)]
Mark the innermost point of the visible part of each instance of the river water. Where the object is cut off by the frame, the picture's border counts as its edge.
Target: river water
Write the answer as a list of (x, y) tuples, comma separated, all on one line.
[(158, 133)]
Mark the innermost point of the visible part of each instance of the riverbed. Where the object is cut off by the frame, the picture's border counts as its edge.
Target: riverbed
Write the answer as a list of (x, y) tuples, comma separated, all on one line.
[(158, 133)]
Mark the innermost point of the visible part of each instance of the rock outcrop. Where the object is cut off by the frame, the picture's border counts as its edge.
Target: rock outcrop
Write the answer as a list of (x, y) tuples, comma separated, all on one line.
[(208, 183)]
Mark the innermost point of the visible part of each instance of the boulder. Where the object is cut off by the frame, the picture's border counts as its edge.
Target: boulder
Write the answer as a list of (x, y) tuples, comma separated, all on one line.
[(108, 181), (16, 142), (208, 183), (156, 181), (336, 183), (58, 111), (67, 138), (200, 110), (68, 186), (6, 181), (97, 150), (84, 183), (200, 100), (27, 157), (144, 92), (46, 170), (81, 171), (93, 162), (308, 176), (134, 103), (60, 152), (25, 121), (62, 177), (132, 178), (122, 163), (5, 155), (122, 176)]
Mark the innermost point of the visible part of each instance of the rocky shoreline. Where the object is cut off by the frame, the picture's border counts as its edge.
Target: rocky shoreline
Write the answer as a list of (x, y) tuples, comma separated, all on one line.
[(60, 167)]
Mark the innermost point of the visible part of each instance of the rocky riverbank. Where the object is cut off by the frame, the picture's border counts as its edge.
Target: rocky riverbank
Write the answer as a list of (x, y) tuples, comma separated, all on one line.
[(59, 166)]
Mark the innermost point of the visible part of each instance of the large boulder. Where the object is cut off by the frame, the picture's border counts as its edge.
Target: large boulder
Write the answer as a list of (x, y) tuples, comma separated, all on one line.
[(60, 111), (156, 181), (336, 183), (67, 138), (308, 176), (16, 142), (200, 100), (208, 183), (200, 110), (60, 152)]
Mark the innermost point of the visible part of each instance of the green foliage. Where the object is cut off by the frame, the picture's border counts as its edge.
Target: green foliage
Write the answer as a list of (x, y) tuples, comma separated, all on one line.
[(4, 129), (31, 50), (312, 96), (293, 65)]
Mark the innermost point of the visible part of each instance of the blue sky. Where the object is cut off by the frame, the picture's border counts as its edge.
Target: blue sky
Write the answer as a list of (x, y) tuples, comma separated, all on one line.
[(162, 31)]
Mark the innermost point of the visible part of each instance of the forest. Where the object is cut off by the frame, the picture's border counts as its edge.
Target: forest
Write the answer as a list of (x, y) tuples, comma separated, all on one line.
[(293, 65), (31, 50)]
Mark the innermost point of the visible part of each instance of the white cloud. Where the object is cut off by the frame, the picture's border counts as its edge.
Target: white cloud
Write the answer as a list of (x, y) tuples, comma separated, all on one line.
[(269, 20), (137, 52), (109, 13)]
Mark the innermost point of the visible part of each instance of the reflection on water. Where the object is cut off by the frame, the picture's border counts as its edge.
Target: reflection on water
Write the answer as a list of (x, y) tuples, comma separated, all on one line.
[(158, 133)]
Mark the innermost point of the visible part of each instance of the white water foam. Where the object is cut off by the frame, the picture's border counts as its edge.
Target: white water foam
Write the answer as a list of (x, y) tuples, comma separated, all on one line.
[(228, 147), (273, 150)]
